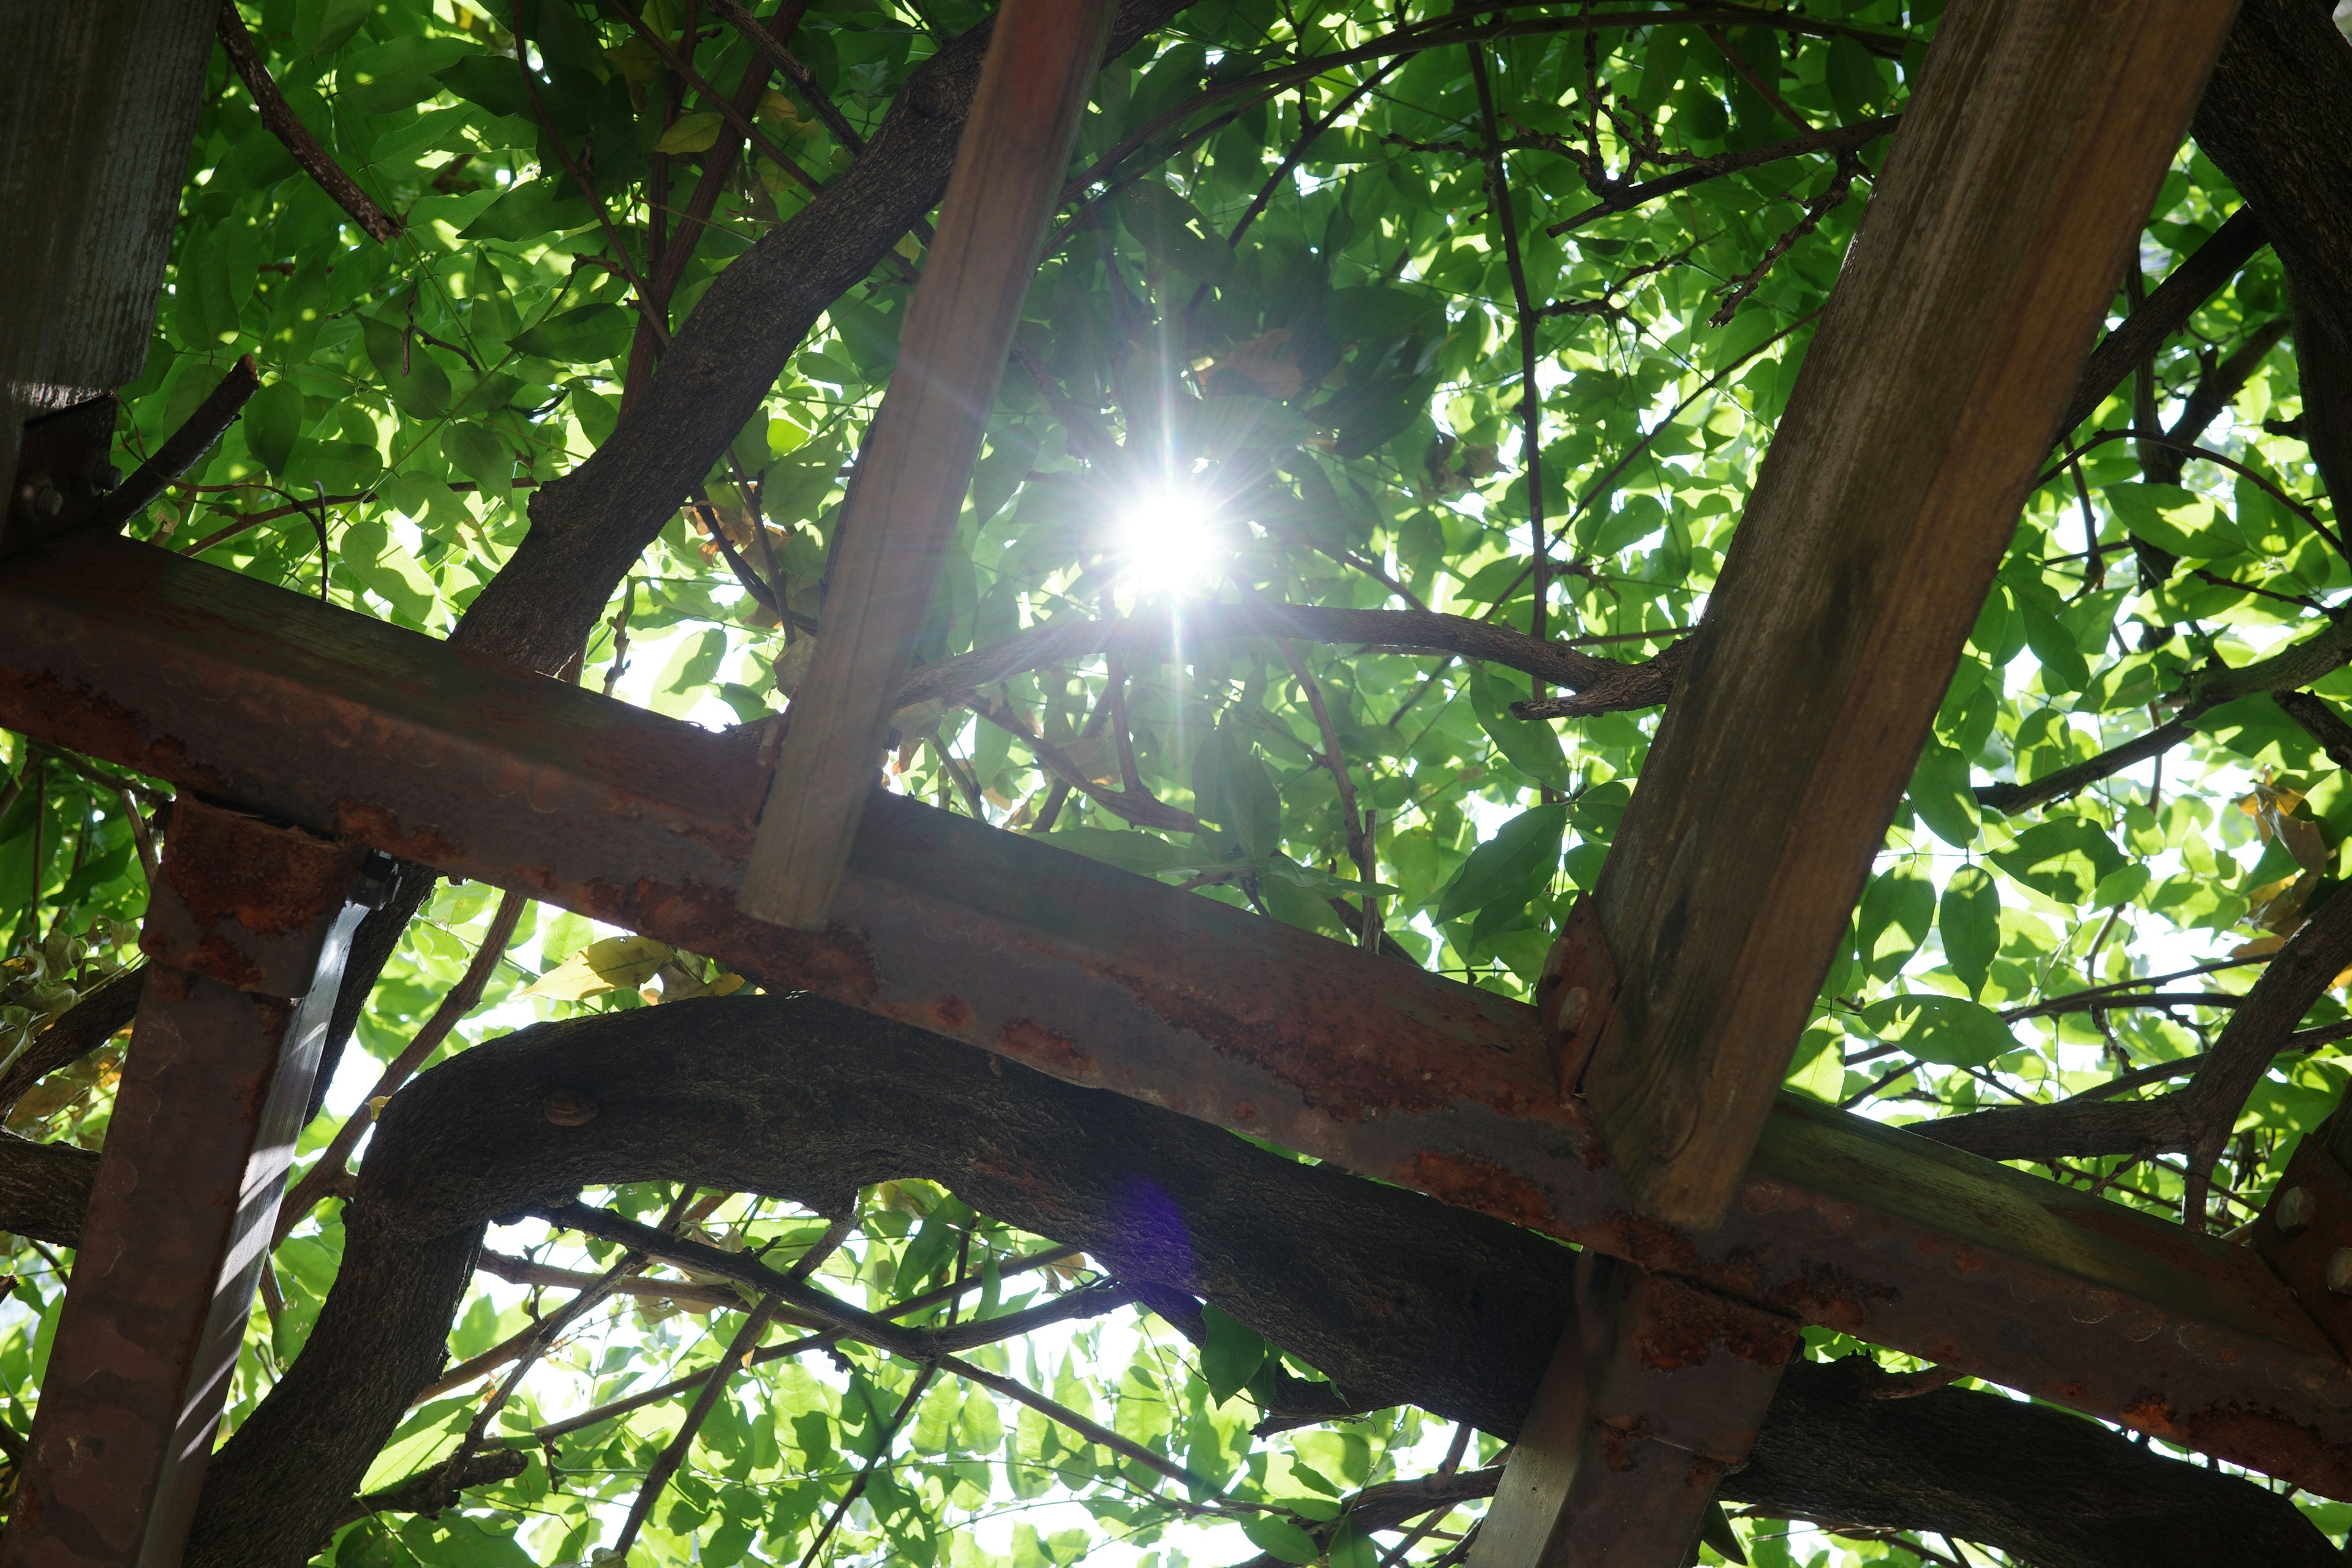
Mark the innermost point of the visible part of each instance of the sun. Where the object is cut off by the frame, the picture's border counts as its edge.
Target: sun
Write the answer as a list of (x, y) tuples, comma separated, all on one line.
[(1171, 540)]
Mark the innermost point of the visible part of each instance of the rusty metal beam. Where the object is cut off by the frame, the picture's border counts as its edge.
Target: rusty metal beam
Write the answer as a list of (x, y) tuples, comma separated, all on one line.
[(1657, 1389), (245, 930), (2023, 169), (917, 465), (380, 736)]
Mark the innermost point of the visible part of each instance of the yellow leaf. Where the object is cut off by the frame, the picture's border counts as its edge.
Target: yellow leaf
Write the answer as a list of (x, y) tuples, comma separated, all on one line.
[(637, 59), (2256, 947), (1267, 361), (693, 132), (602, 966), (775, 106)]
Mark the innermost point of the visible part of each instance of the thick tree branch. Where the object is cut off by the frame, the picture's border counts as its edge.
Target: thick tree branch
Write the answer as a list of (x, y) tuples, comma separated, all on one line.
[(2277, 118), (589, 527), (44, 1188), (2186, 289), (2325, 650), (1397, 1298), (2196, 1121)]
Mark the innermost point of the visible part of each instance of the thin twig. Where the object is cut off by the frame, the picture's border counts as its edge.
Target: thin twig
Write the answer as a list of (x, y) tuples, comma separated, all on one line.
[(462, 998), (1506, 216), (1307, 137), (278, 116), (644, 296)]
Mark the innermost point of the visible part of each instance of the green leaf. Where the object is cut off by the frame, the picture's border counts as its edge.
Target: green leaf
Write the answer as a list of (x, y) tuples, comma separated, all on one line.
[(479, 455), (1511, 868), (1272, 1533), (2063, 859), (2176, 520), (695, 133), (2063, 665), (1897, 910), (535, 210), (585, 334), (338, 20), (409, 372), (494, 81), (2120, 887), (1969, 921), (1949, 1030), (1818, 1069), (1532, 745), (1940, 795), (1166, 223), (1230, 1355), (1232, 788), (273, 423)]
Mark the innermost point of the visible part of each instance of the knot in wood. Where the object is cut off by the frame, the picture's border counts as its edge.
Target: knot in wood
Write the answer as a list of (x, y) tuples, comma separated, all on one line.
[(569, 1106)]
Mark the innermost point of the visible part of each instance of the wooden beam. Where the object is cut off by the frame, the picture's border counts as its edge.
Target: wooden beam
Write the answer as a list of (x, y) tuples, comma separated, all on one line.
[(98, 103), (2009, 202), (1657, 1389), (246, 934), (248, 692), (917, 463)]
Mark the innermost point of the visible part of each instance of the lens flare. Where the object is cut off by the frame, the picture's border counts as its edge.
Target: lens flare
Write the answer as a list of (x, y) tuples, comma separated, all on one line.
[(1170, 539)]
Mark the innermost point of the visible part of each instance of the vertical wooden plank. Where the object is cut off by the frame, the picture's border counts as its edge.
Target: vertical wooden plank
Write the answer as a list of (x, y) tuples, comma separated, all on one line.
[(918, 460), (1657, 1388), (97, 102), (246, 934), (2011, 199)]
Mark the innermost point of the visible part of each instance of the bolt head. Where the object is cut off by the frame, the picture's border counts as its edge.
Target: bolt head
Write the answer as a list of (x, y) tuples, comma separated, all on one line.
[(2340, 1271), (39, 497), (2293, 1212)]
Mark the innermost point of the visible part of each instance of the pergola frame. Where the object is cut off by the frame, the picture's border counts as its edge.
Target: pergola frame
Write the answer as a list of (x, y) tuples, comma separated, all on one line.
[(1741, 1213)]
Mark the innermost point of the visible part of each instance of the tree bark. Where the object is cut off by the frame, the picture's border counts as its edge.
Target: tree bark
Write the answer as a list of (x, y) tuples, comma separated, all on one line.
[(2277, 118), (588, 527), (1398, 1298)]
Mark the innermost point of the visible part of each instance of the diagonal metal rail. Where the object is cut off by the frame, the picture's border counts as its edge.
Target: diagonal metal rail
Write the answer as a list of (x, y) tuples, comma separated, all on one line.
[(255, 695)]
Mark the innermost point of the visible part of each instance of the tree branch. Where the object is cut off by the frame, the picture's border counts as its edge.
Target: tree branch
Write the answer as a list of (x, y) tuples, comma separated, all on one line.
[(1603, 685), (1395, 1297), (88, 1024), (192, 440), (278, 116)]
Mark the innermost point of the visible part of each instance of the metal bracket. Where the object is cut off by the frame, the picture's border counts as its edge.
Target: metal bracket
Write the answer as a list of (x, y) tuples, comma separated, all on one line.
[(2304, 1234), (62, 475), (1576, 995)]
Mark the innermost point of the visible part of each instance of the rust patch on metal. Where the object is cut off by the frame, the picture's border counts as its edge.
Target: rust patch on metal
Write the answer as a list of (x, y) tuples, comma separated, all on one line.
[(1043, 1047), (379, 827), (1329, 1033), (836, 963), (952, 1013), (1683, 1326), (1476, 1183), (1831, 1297), (1655, 1245), (228, 867)]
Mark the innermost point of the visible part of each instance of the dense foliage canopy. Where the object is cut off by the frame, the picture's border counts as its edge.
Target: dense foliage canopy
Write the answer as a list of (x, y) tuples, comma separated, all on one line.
[(1477, 321)]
